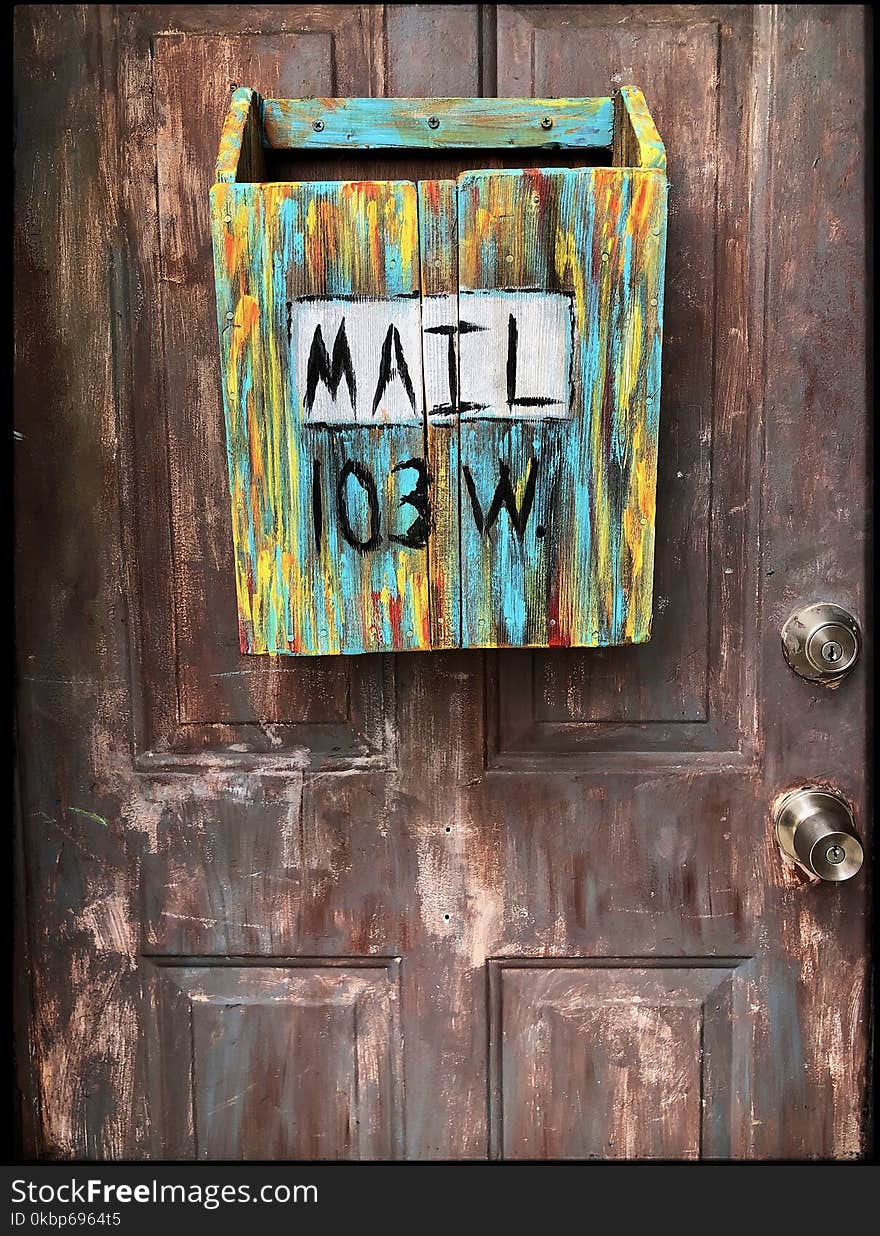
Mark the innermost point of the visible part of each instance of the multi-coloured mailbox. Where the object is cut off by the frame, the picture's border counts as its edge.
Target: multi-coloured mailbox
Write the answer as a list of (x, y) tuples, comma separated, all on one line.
[(442, 396)]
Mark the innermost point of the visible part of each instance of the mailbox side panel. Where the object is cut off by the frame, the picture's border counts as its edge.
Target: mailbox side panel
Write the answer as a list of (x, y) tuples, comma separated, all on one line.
[(561, 271), (319, 317)]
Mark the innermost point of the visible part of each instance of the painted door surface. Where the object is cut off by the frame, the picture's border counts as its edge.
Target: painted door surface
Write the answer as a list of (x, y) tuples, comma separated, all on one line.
[(465, 904)]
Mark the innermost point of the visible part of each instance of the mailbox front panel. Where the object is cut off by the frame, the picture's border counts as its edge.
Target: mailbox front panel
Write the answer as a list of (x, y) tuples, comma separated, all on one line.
[(442, 406)]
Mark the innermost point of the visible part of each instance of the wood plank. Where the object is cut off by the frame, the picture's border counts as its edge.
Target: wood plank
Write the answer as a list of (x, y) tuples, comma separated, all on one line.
[(439, 259), (369, 124), (636, 140), (327, 556), (568, 557), (240, 150)]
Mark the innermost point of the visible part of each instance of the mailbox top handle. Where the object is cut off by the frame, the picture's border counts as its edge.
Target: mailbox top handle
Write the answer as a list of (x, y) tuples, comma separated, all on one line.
[(622, 123)]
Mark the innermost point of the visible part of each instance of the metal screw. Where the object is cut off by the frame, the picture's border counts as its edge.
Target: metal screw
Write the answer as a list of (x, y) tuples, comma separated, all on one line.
[(433, 122), (546, 122), (318, 125), (835, 854), (832, 651)]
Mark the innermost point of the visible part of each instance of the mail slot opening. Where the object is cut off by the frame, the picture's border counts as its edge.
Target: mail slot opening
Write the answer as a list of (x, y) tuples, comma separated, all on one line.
[(403, 164), (441, 394)]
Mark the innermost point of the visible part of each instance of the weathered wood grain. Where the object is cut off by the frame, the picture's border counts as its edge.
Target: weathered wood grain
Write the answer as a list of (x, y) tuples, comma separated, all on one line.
[(816, 529), (241, 1028), (72, 694), (645, 1050), (636, 140), (240, 156)]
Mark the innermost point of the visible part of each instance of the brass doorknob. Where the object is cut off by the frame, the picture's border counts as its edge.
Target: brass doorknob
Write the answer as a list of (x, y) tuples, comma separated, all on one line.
[(816, 829)]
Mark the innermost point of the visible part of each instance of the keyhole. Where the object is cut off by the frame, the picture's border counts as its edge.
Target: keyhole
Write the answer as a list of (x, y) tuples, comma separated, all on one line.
[(835, 854), (832, 651)]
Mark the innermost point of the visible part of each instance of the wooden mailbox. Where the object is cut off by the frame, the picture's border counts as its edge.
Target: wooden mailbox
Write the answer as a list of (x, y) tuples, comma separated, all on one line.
[(441, 396)]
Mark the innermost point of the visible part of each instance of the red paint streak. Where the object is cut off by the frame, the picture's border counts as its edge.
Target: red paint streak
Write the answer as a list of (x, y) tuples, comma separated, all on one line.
[(395, 617), (640, 212), (425, 638), (539, 184)]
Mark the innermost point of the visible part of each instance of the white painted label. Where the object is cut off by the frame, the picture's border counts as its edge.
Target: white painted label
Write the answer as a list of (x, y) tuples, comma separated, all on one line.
[(479, 354)]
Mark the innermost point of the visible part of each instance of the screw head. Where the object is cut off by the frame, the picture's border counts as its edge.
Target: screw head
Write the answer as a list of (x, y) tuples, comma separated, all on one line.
[(433, 122), (546, 122), (318, 125)]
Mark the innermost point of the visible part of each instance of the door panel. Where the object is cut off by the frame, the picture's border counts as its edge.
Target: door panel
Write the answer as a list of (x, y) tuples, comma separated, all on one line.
[(613, 1061), (278, 1061), (216, 698), (452, 905), (680, 692)]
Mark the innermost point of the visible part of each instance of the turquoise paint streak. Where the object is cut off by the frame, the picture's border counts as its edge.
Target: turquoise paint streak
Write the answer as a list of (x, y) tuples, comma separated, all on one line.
[(376, 123)]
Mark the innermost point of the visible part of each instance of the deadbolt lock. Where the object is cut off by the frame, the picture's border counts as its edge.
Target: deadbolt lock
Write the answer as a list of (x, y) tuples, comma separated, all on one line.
[(816, 828), (821, 642)]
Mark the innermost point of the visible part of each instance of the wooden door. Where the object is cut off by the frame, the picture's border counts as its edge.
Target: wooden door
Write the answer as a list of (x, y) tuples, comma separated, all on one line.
[(520, 904)]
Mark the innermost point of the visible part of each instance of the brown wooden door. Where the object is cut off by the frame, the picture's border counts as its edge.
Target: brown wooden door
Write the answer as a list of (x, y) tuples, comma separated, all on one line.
[(453, 905)]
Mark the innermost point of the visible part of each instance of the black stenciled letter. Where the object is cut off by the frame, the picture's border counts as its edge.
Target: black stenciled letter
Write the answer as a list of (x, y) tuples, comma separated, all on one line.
[(451, 366), (331, 373), (387, 369), (463, 328), (416, 535), (365, 478), (504, 496), (525, 401)]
